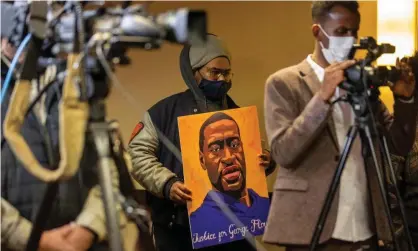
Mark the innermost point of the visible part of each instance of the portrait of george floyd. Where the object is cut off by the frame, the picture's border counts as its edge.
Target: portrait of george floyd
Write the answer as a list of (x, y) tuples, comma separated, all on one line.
[(220, 163)]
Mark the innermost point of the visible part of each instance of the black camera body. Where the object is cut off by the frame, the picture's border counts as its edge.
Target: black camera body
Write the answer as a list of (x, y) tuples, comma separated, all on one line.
[(114, 30), (363, 76)]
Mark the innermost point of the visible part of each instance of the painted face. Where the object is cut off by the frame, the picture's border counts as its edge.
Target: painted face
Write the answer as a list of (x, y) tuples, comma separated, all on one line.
[(223, 156)]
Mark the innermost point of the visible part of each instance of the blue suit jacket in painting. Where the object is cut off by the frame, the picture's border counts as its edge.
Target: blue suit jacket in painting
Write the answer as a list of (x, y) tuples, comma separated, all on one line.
[(210, 226)]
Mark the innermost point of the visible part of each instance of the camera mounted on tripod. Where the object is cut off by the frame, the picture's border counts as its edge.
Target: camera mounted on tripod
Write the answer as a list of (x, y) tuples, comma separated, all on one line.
[(362, 82), (83, 46), (363, 76), (130, 26)]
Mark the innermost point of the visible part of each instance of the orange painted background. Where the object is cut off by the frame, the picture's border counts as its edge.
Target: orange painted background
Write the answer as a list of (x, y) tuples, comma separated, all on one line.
[(196, 178)]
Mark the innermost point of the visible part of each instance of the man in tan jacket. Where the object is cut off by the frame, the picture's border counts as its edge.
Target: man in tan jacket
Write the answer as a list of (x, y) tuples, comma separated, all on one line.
[(15, 231), (78, 203), (307, 133), (207, 73)]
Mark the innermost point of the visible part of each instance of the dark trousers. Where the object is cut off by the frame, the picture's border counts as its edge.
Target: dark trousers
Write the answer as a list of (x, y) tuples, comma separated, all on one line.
[(337, 245), (103, 246), (414, 237), (178, 238)]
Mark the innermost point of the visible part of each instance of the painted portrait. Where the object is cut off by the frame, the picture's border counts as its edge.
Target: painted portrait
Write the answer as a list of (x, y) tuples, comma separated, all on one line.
[(219, 153)]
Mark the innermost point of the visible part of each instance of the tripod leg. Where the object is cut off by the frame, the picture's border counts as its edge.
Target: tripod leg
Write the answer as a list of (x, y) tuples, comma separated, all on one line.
[(47, 204), (42, 216), (369, 141), (352, 133), (397, 193), (131, 207), (101, 137)]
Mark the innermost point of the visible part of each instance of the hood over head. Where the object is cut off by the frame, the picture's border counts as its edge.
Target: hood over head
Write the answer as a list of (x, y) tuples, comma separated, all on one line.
[(194, 57)]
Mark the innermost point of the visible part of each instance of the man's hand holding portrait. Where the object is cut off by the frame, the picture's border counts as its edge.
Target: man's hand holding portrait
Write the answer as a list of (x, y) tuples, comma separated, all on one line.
[(179, 193)]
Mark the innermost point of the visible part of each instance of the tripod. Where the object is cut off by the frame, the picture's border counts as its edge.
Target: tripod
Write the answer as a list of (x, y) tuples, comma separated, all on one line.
[(363, 121), (106, 139), (105, 142)]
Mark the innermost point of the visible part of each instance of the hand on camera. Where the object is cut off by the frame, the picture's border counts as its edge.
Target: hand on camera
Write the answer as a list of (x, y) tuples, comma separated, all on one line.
[(334, 75), (180, 193), (405, 86)]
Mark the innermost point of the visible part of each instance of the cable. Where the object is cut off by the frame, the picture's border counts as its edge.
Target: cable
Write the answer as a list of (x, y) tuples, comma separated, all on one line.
[(113, 78), (7, 62), (13, 65)]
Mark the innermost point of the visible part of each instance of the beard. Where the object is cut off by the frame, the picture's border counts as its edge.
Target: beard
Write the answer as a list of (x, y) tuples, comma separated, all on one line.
[(235, 193)]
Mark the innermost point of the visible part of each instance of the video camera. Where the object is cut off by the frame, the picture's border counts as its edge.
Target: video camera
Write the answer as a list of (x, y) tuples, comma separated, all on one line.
[(117, 28), (363, 71), (128, 26), (362, 85), (83, 45)]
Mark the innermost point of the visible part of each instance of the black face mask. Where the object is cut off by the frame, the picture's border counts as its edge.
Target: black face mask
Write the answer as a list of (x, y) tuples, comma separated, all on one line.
[(214, 90)]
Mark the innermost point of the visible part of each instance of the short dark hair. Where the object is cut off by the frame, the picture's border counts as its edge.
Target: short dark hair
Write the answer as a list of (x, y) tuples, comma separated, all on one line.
[(320, 9), (212, 119)]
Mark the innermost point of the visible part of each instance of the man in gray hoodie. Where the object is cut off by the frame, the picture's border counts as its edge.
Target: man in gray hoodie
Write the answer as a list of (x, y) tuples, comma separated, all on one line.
[(207, 73)]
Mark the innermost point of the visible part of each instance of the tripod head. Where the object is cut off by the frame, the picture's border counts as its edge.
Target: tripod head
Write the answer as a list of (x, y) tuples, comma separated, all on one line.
[(363, 76), (362, 80)]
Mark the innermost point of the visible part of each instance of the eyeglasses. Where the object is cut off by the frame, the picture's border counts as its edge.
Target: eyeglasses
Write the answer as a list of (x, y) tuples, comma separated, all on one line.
[(216, 74)]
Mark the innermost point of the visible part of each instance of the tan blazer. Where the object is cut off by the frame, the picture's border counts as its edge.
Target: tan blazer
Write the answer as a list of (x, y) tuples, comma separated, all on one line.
[(304, 144)]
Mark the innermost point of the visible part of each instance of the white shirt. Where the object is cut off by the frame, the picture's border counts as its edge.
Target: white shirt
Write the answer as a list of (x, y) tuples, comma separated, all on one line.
[(353, 206)]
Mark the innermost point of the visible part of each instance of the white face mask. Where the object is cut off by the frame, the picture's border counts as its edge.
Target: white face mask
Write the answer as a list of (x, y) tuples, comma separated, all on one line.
[(338, 48)]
